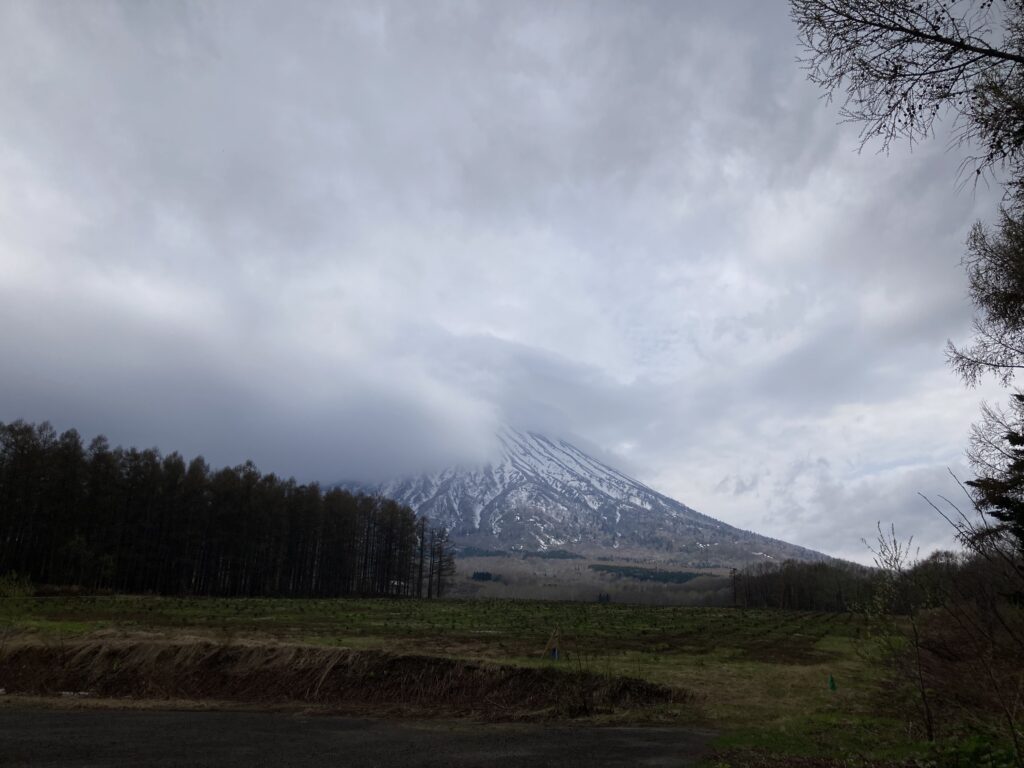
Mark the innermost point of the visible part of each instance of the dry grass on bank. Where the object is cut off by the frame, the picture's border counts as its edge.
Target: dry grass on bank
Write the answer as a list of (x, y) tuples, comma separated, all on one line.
[(261, 673)]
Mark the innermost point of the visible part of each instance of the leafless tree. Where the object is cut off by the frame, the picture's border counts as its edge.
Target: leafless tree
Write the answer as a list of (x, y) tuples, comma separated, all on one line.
[(899, 65), (897, 594)]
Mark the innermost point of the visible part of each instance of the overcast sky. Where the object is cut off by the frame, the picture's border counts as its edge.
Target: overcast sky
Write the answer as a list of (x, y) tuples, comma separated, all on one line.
[(345, 239)]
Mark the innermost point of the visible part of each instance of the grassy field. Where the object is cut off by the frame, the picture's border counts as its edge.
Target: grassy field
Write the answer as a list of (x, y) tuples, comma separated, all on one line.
[(760, 677), (526, 577)]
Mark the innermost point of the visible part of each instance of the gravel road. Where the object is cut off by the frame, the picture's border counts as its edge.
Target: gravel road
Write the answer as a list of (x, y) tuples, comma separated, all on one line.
[(94, 738)]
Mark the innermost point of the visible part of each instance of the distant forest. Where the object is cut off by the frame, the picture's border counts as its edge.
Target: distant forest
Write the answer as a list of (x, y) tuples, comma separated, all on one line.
[(130, 520), (834, 586)]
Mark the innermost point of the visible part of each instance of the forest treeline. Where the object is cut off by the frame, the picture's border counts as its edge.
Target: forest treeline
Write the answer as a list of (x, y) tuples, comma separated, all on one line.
[(795, 585), (131, 520), (838, 586)]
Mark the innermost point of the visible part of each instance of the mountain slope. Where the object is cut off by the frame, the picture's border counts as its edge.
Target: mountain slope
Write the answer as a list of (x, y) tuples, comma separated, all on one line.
[(545, 494)]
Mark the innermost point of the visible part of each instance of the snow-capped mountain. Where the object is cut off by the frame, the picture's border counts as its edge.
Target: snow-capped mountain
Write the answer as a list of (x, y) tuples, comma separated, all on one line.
[(545, 494)]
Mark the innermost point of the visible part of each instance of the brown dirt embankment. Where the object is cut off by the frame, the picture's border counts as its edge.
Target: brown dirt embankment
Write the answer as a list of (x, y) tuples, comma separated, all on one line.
[(373, 681)]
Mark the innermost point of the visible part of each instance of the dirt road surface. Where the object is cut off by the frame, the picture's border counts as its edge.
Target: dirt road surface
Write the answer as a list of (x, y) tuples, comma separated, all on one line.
[(95, 738)]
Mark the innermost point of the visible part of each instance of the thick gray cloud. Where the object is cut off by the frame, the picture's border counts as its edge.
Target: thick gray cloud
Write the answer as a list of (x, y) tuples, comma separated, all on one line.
[(347, 240)]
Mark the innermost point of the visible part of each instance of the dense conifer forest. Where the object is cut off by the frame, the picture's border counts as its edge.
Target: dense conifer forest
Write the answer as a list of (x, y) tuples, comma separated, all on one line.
[(130, 520)]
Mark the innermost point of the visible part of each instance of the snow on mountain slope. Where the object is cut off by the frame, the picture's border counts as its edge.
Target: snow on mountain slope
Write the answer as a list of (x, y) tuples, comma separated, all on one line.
[(545, 494)]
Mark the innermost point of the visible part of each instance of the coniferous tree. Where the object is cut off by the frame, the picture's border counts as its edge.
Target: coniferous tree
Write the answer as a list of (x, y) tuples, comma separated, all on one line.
[(135, 521), (899, 66)]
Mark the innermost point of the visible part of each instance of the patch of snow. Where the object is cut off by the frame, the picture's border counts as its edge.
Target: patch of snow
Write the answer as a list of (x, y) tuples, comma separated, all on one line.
[(556, 493)]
